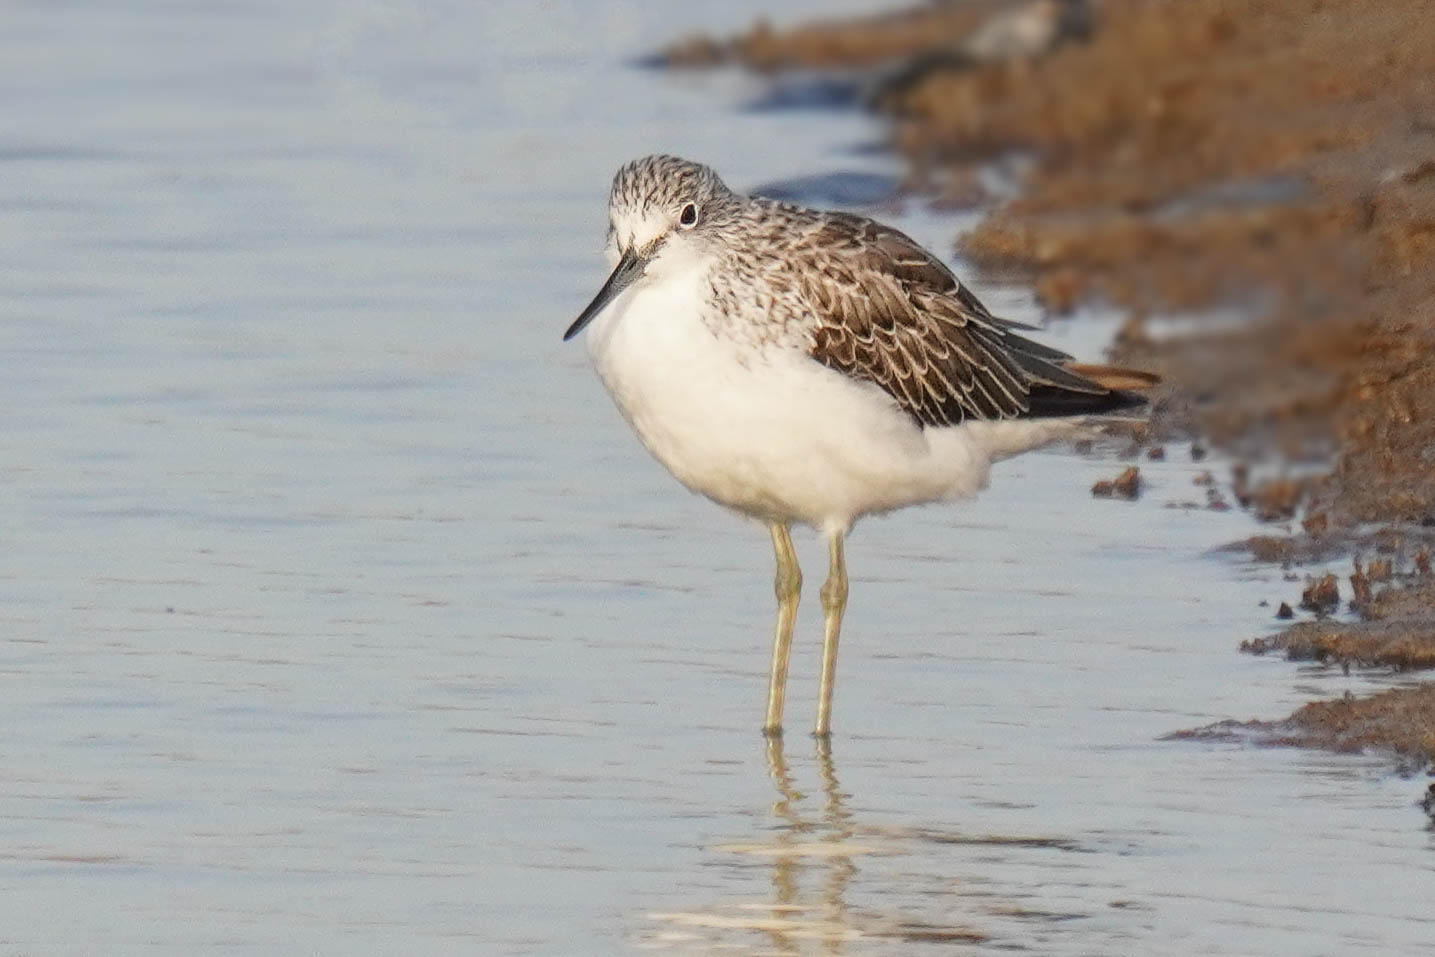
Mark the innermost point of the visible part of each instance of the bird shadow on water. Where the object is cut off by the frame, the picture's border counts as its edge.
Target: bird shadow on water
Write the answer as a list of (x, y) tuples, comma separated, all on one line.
[(836, 883)]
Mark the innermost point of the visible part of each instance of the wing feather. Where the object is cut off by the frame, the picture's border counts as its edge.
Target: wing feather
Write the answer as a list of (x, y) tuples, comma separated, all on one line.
[(889, 313)]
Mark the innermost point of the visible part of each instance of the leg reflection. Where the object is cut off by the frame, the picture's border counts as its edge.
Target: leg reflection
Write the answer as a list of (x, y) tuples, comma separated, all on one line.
[(804, 851), (810, 842), (785, 862), (838, 827)]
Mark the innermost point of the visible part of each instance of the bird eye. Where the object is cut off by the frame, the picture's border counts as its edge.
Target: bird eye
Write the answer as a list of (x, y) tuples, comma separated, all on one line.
[(689, 216)]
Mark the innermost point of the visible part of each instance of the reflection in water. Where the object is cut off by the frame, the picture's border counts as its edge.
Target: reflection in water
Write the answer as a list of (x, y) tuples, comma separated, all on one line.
[(832, 831), (810, 841), (813, 857)]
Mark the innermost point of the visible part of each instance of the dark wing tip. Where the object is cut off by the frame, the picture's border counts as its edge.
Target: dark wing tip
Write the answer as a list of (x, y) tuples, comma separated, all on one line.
[(1055, 402)]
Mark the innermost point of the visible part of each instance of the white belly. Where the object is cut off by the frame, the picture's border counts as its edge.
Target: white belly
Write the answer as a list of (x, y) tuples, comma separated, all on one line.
[(772, 434)]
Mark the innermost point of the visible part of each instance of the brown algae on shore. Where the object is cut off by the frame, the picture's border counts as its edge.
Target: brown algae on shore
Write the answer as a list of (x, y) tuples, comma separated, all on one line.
[(1275, 161), (1127, 485), (1398, 720), (1394, 633), (863, 42)]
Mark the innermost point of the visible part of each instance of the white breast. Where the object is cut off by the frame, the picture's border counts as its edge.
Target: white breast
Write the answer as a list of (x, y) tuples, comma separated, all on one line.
[(770, 433)]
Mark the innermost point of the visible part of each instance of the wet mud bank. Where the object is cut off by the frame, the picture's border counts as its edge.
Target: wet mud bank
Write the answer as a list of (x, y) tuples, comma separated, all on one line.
[(1254, 184)]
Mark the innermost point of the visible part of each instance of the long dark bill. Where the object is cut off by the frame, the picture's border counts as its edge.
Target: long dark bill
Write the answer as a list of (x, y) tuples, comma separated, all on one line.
[(629, 268)]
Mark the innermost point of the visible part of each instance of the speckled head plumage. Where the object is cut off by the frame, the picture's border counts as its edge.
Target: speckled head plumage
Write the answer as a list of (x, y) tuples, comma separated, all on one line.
[(662, 179), (658, 195), (660, 210)]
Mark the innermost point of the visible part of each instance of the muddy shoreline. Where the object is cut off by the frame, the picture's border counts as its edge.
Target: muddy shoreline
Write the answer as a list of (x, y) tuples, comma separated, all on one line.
[(1254, 183)]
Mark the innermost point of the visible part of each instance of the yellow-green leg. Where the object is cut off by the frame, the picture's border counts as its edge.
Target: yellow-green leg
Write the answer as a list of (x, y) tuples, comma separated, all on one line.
[(788, 588), (834, 601)]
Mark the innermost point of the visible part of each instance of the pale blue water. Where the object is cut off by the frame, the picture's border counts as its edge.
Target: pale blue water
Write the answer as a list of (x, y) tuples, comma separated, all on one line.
[(341, 613)]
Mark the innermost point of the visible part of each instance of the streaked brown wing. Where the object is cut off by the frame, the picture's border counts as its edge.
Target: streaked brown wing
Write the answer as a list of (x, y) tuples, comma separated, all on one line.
[(891, 314)]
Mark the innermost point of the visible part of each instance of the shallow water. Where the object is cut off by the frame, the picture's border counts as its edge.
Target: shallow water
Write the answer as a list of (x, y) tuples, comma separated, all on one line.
[(341, 613)]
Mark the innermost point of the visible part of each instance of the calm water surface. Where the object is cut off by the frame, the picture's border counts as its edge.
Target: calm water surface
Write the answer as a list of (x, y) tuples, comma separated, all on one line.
[(341, 613)]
